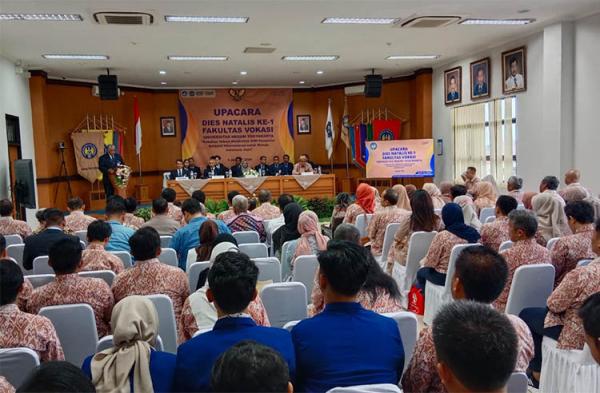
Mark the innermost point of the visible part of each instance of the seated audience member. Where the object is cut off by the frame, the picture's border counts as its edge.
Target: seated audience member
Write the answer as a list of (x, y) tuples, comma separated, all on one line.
[(456, 232), (421, 219), (470, 177), (388, 214), (461, 332), (550, 210), (288, 231), (468, 207), (364, 203), (27, 289), (282, 201), (525, 250), (302, 166), (208, 233), (173, 211), (347, 232), (590, 315), (115, 214), (560, 320), (342, 201), (266, 210), (187, 237), (311, 162), (251, 367), (95, 256), (287, 167), (310, 242), (403, 199), (495, 233), (227, 214), (244, 220), (56, 376), (39, 244), (480, 276), (410, 190), (485, 195), (236, 170), (132, 364), (528, 199), (436, 195), (77, 220), (574, 190), (275, 168), (345, 345), (445, 188), (69, 287), (39, 216), (200, 196), (220, 169), (262, 168), (149, 276), (514, 186), (179, 170), (130, 220), (457, 190), (5, 386), (21, 329), (10, 226), (232, 286), (164, 224)]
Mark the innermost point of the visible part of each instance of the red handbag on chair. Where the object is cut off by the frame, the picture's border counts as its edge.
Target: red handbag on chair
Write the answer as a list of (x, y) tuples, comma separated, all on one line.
[(416, 301)]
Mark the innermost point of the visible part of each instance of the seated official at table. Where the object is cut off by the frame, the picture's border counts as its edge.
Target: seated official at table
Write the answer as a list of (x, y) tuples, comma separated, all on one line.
[(275, 168), (193, 171), (302, 165), (180, 171), (262, 168), (311, 162), (287, 167), (212, 170), (220, 169), (236, 170)]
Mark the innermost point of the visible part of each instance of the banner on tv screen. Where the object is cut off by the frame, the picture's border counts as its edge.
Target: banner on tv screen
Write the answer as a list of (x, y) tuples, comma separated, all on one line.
[(400, 158)]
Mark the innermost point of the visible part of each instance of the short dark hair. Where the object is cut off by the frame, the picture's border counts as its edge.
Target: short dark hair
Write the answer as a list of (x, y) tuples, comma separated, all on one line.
[(551, 182), (516, 182), (581, 211), (391, 196), (238, 158), (2, 244), (347, 232), (131, 204), (217, 156), (11, 278), (482, 272), (53, 216), (283, 200), (179, 160), (160, 206), (261, 157), (98, 230), (57, 376), (169, 194), (286, 155), (525, 220), (264, 196), (477, 343), (458, 190), (199, 195), (65, 255), (345, 265), (231, 195), (191, 206), (513, 60), (75, 203), (506, 204), (250, 367), (6, 207), (472, 168), (144, 244), (590, 314), (39, 215), (115, 205), (232, 280)]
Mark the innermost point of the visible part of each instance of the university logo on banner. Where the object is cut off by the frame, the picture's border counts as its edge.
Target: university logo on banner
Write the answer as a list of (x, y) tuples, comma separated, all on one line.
[(88, 146)]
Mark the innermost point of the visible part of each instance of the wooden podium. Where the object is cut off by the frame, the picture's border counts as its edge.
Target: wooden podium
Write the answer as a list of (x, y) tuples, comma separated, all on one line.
[(119, 190)]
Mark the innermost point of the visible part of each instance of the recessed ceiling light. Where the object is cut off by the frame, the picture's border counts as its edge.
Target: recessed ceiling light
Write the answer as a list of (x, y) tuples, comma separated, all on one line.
[(496, 21), (243, 72), (234, 82), (163, 83), (75, 57), (320, 72), (359, 21), (412, 57), (42, 17), (301, 82), (206, 19), (162, 72), (198, 58), (310, 58)]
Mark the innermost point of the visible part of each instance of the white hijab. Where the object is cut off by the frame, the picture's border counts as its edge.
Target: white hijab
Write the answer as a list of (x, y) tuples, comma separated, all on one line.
[(549, 208), (468, 208)]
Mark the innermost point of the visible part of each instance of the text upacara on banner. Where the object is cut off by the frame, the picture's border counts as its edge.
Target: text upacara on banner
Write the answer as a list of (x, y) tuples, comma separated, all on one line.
[(401, 158)]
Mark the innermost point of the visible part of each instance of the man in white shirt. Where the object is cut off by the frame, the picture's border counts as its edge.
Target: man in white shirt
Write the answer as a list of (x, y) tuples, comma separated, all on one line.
[(515, 80)]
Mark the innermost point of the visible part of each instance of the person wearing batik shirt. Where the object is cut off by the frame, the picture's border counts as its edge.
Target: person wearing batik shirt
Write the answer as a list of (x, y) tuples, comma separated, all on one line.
[(573, 190), (174, 212), (495, 233), (130, 219), (480, 275), (522, 226), (514, 186), (70, 288), (95, 256), (10, 226), (245, 221), (229, 213), (25, 292), (266, 210), (77, 220), (550, 209), (388, 214), (149, 276), (364, 204), (18, 328), (485, 196), (5, 386), (470, 177), (569, 250)]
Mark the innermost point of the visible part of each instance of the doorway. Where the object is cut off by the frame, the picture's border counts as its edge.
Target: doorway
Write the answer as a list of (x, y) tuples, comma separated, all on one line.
[(13, 133)]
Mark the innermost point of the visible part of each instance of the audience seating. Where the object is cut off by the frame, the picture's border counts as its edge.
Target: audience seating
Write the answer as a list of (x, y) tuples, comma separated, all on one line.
[(551, 243), (82, 235), (436, 295), (17, 363), (106, 342), (286, 269), (487, 212), (165, 241), (521, 206), (518, 383), (284, 302), (531, 286), (290, 325), (194, 271), (107, 275), (41, 265), (76, 329), (168, 256), (83, 244), (39, 280), (15, 251), (167, 328), (490, 219), (362, 220), (584, 262), (255, 250), (505, 246), (13, 239), (244, 237), (268, 269), (407, 326), (125, 257), (388, 240), (304, 271), (375, 388), (438, 212), (192, 255)]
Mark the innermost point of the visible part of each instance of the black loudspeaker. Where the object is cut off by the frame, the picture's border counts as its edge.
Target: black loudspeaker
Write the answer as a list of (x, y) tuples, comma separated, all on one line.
[(109, 89), (24, 183), (373, 85)]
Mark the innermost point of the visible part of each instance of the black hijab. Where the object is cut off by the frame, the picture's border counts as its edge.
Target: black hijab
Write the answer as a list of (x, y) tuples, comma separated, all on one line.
[(289, 231)]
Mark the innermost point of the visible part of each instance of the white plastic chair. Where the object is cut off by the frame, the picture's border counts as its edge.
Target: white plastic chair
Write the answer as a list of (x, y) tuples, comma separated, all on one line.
[(268, 269), (375, 388), (290, 325), (362, 221), (76, 329), (39, 280), (436, 295), (15, 251), (17, 363), (517, 383), (437, 212), (107, 275), (83, 244), (167, 329), (584, 262), (388, 239), (193, 273), (13, 239), (192, 255), (106, 342), (82, 235), (551, 243), (125, 257), (165, 241), (487, 212), (305, 268), (168, 256), (286, 268), (254, 250), (520, 206), (490, 219), (284, 302), (505, 246), (531, 286), (244, 237), (41, 266), (407, 326)]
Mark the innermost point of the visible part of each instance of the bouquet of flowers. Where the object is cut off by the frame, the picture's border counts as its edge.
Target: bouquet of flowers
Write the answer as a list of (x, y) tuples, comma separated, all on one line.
[(122, 175), (249, 172)]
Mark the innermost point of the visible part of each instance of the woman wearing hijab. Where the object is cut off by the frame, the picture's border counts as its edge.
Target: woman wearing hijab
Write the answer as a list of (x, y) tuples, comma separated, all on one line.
[(310, 242), (456, 232), (410, 190), (208, 232), (132, 364), (445, 188), (403, 200), (468, 208), (364, 204), (289, 231), (485, 195), (435, 194), (342, 201), (552, 220)]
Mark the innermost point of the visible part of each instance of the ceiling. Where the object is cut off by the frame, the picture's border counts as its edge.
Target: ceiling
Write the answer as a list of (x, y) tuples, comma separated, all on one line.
[(293, 27)]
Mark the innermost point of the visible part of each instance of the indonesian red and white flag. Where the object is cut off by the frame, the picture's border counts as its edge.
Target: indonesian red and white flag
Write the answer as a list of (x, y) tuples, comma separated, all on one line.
[(138, 126)]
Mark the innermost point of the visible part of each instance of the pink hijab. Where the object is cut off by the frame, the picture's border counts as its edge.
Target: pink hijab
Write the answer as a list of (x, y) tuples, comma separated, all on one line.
[(308, 225), (435, 194)]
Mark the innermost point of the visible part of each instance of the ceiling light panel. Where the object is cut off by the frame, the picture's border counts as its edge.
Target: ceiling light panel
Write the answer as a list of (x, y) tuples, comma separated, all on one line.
[(42, 17), (198, 58), (310, 58), (206, 19), (74, 57), (359, 21), (496, 21), (412, 57)]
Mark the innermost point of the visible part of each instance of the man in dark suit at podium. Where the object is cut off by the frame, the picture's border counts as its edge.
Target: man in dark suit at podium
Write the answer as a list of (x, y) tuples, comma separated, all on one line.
[(286, 166), (107, 164), (180, 171)]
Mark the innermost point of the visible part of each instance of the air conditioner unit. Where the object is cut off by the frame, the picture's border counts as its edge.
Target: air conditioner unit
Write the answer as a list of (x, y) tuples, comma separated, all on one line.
[(124, 18), (357, 90)]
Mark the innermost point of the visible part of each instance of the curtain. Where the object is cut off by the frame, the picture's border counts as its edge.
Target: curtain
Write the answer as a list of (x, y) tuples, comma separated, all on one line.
[(469, 138)]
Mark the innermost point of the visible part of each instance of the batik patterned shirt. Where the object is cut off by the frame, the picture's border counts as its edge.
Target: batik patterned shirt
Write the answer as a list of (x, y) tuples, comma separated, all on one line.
[(77, 220), (5, 386), (569, 250), (24, 296), (226, 215), (379, 222), (353, 211), (95, 257), (495, 233), (10, 226), (439, 252), (247, 222), (175, 213), (267, 211), (384, 303), (132, 221)]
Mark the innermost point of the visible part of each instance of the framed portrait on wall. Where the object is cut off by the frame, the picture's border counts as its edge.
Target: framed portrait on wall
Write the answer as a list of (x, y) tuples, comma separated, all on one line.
[(480, 79), (514, 71), (453, 86), (167, 126), (303, 124)]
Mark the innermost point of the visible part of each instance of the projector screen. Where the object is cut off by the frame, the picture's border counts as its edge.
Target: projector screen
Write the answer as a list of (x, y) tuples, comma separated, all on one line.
[(400, 158)]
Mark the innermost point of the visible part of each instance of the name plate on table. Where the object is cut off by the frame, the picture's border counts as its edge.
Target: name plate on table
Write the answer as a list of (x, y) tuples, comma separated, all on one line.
[(307, 173), (182, 178), (218, 177)]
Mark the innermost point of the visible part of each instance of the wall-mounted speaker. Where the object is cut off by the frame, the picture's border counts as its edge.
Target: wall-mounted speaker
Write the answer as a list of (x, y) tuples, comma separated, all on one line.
[(108, 86), (24, 183), (373, 85)]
